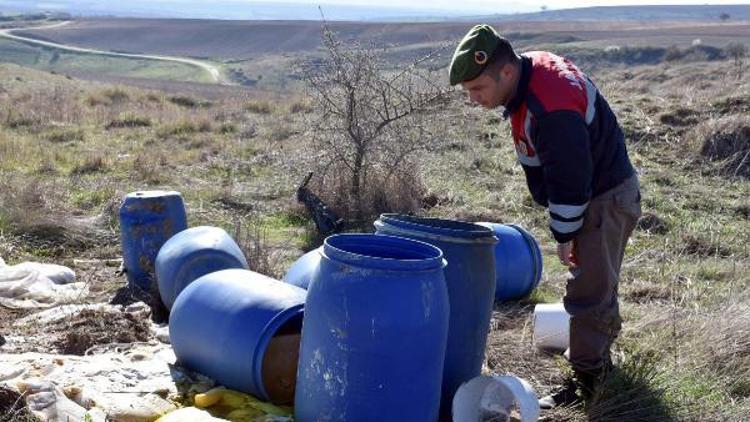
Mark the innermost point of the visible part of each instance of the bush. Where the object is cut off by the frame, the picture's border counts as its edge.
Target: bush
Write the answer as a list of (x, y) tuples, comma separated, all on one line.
[(128, 121)]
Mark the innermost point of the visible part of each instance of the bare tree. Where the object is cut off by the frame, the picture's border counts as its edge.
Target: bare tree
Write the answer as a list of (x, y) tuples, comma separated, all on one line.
[(738, 51), (371, 119)]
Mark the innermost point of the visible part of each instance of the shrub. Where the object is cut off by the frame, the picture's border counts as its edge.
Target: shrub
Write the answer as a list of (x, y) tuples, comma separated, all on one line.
[(128, 121)]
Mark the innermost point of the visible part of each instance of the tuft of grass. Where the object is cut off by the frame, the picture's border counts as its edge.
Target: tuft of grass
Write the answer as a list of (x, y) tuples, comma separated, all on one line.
[(93, 163), (128, 121), (184, 127), (258, 107), (726, 141), (189, 102), (228, 128), (108, 97), (59, 136)]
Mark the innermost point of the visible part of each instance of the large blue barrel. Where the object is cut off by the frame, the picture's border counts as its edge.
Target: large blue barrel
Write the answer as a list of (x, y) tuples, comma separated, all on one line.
[(470, 277), (147, 220), (192, 253), (222, 324), (518, 261), (302, 270), (374, 334)]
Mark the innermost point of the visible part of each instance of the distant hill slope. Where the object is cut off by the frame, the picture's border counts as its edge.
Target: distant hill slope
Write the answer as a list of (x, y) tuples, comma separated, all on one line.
[(702, 13), (243, 40)]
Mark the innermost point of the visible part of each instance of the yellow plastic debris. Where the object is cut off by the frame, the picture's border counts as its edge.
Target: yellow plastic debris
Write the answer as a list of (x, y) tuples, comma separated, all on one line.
[(189, 414), (238, 407)]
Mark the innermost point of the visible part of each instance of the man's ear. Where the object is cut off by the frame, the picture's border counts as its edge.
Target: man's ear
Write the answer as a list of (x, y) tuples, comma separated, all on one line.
[(506, 70)]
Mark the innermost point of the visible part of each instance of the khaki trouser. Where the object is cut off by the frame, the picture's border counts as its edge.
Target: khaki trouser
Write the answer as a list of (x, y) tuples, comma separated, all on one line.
[(591, 293)]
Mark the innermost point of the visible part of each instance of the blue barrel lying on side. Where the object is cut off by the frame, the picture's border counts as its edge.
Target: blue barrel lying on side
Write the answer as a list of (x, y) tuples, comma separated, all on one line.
[(147, 220), (192, 253), (470, 277), (518, 261), (302, 270), (373, 339), (224, 323)]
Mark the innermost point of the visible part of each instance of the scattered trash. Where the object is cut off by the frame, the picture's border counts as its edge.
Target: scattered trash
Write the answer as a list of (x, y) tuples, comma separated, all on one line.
[(496, 399), (133, 385), (48, 401), (551, 327), (238, 406), (35, 285), (189, 414)]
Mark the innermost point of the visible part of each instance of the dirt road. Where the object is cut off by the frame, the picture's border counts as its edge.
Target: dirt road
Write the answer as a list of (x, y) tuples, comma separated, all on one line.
[(212, 70)]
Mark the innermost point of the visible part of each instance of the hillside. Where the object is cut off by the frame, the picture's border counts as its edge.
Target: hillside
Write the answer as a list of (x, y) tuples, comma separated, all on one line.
[(699, 13), (248, 39)]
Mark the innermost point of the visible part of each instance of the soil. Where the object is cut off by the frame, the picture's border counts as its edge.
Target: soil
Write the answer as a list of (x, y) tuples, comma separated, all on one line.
[(13, 407), (90, 327)]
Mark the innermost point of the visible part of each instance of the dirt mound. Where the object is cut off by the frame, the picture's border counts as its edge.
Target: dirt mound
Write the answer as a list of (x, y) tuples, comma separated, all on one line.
[(92, 327), (652, 223), (726, 142)]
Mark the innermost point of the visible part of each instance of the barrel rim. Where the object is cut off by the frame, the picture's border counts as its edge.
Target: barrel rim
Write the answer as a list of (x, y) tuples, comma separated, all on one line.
[(151, 194), (261, 346), (333, 248), (435, 228)]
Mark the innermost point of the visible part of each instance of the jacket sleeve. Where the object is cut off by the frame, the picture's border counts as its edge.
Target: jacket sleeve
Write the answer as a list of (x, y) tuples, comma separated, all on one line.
[(535, 183), (562, 141)]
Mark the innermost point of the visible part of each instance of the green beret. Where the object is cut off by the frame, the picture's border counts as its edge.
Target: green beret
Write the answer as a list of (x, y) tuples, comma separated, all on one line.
[(473, 53)]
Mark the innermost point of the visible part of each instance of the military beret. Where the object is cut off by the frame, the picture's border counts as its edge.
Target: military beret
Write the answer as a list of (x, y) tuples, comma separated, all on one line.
[(473, 53)]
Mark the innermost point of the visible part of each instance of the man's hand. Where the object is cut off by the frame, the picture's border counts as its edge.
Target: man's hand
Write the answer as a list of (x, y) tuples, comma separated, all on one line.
[(565, 253)]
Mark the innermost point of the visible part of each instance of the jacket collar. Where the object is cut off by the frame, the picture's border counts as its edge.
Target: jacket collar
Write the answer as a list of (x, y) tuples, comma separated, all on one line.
[(522, 90)]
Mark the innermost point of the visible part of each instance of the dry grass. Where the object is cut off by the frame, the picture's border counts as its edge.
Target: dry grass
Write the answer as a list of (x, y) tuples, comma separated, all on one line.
[(726, 142), (400, 191)]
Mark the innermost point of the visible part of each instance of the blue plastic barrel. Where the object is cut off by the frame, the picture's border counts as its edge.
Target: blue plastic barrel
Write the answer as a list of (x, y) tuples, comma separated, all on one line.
[(222, 324), (302, 270), (374, 334), (518, 261), (192, 253), (147, 220), (470, 277)]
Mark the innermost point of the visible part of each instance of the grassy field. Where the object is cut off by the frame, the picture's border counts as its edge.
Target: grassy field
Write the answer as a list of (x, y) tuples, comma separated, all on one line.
[(70, 149), (71, 63)]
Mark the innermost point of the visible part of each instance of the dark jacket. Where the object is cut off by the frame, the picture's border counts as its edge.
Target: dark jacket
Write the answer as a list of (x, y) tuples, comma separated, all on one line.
[(567, 139)]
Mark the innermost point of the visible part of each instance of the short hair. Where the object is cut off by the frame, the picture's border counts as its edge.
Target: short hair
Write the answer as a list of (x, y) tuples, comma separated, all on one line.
[(502, 55)]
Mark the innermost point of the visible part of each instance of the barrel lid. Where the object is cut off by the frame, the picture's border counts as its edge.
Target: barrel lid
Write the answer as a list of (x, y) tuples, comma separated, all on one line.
[(435, 229), (149, 194), (382, 252)]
